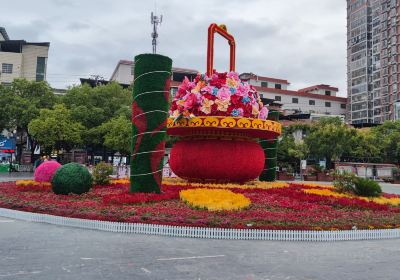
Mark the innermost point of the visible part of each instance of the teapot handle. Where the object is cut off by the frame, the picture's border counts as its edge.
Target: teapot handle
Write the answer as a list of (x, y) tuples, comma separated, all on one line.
[(221, 29)]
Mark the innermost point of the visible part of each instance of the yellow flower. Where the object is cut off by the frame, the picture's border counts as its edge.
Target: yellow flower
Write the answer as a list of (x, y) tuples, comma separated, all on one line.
[(120, 181), (214, 200), (255, 110), (29, 183), (206, 108), (198, 87), (231, 83), (316, 185), (325, 192), (175, 114), (248, 185), (223, 104), (394, 201)]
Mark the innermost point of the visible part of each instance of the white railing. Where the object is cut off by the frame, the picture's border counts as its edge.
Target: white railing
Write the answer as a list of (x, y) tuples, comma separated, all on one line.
[(199, 232)]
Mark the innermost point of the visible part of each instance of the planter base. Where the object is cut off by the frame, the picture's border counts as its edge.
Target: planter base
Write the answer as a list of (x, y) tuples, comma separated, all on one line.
[(217, 160)]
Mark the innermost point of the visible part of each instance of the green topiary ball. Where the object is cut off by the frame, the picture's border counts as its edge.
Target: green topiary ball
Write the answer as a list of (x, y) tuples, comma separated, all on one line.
[(71, 178)]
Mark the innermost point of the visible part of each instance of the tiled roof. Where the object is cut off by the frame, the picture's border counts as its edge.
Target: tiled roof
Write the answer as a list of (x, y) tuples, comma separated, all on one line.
[(326, 87), (268, 79)]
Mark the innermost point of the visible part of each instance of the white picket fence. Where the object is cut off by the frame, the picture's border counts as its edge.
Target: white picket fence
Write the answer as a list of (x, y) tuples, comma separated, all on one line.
[(200, 232)]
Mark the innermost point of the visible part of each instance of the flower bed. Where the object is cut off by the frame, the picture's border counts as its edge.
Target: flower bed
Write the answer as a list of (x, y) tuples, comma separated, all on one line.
[(273, 206), (214, 199)]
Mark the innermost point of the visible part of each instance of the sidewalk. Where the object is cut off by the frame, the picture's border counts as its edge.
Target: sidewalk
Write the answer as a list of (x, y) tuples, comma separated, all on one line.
[(5, 177)]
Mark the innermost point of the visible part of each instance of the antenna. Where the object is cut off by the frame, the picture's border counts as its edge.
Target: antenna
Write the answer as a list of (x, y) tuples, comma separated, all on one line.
[(155, 21)]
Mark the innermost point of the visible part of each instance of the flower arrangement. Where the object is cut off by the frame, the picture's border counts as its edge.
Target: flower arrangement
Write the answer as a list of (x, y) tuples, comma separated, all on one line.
[(214, 200), (222, 94), (46, 171)]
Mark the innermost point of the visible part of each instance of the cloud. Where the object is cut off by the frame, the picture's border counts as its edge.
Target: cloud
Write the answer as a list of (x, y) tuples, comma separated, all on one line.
[(302, 41), (77, 25)]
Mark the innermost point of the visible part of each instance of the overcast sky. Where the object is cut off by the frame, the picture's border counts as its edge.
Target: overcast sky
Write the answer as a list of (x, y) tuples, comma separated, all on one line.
[(303, 41)]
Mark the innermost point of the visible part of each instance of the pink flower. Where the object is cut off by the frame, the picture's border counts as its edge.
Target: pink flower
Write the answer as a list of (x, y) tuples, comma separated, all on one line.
[(243, 89), (46, 170), (190, 100), (207, 89), (224, 93), (263, 113), (183, 88), (233, 75)]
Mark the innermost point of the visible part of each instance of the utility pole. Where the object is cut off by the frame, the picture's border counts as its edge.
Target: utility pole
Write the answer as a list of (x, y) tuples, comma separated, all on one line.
[(155, 21)]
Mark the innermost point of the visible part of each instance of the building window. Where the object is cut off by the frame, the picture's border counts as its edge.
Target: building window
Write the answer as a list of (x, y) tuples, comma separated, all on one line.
[(311, 102), (40, 68), (264, 84), (295, 100), (343, 106), (6, 68), (278, 98), (327, 104), (278, 86), (328, 92), (133, 70)]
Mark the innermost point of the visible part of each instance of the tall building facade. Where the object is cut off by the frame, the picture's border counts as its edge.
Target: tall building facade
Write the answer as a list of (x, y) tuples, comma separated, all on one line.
[(373, 61), (22, 59)]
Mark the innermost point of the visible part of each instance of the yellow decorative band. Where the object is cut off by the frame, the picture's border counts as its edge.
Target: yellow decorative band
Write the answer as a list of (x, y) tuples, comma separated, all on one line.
[(226, 122)]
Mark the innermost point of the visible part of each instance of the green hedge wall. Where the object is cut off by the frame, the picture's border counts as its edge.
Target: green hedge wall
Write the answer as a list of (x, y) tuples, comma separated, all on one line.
[(149, 115)]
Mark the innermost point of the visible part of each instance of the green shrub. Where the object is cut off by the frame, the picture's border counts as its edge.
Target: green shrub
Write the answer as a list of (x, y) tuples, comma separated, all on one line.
[(102, 172), (344, 182), (396, 173), (71, 178), (366, 187)]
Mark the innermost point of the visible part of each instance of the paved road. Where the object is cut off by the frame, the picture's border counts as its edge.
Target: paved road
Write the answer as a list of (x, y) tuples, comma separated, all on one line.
[(40, 251)]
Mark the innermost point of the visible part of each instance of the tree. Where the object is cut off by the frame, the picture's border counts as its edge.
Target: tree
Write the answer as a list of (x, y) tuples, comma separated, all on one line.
[(366, 147), (117, 134), (6, 100), (94, 106), (20, 103), (330, 139), (55, 129), (299, 151), (286, 144), (387, 140)]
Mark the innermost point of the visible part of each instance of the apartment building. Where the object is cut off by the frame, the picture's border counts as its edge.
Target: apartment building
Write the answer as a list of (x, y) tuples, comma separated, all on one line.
[(124, 70), (319, 99), (373, 61), (22, 59)]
